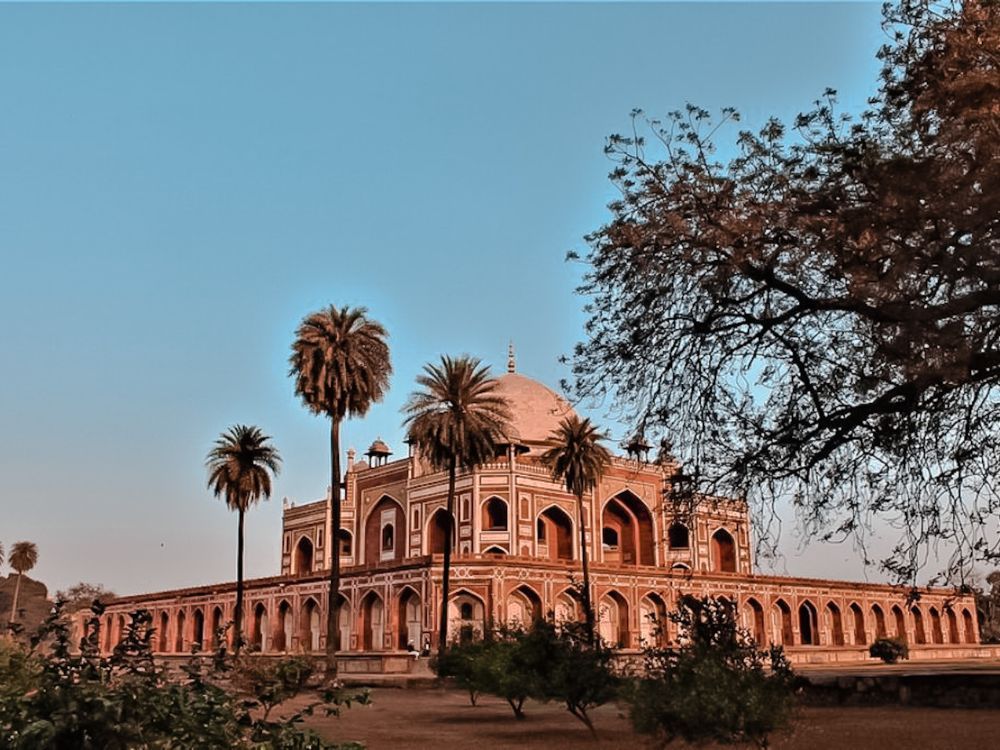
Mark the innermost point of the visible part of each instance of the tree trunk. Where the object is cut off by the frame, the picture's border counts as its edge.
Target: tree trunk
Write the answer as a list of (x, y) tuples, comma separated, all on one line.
[(17, 593), (238, 614), (333, 552), (446, 572), (588, 609)]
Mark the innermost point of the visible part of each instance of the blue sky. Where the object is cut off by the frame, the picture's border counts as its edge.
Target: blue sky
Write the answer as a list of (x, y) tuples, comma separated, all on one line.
[(180, 184)]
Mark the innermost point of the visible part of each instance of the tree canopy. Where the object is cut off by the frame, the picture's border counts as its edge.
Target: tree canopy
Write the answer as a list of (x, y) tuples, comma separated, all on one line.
[(816, 318)]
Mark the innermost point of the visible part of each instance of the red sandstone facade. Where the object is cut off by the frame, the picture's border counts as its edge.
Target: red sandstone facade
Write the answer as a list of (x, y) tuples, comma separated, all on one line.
[(516, 549)]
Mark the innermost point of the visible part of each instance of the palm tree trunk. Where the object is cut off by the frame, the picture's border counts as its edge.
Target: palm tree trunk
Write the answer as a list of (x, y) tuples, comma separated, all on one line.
[(333, 552), (588, 609), (446, 572), (17, 592), (238, 614)]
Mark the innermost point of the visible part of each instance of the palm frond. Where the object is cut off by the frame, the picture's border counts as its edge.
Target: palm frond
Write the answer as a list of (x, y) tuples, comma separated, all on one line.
[(241, 465)]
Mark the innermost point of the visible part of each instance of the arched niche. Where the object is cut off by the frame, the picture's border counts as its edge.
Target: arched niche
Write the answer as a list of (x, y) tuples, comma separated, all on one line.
[(723, 552), (302, 557), (555, 534), (495, 514), (385, 532), (629, 519)]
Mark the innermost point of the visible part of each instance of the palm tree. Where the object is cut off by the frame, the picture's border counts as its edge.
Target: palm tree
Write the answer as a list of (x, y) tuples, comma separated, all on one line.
[(455, 421), (577, 458), (241, 466), (23, 556), (340, 362)]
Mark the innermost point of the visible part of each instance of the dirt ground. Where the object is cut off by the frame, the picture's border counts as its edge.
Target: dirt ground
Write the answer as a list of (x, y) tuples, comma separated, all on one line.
[(443, 720)]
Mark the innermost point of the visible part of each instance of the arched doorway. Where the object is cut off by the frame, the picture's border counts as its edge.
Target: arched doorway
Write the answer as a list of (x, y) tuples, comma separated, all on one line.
[(523, 607), (385, 532), (309, 626), (808, 630), (836, 624), (555, 534), (437, 532), (937, 635), (410, 621), (302, 560), (652, 620), (199, 629), (372, 622), (566, 609), (345, 623), (858, 620), (784, 614), (162, 646), (627, 519), (258, 631), (179, 641), (723, 552), (466, 617), (495, 515), (919, 635), (879, 615), (283, 627), (613, 624), (217, 627), (900, 623), (952, 626), (758, 628), (969, 627)]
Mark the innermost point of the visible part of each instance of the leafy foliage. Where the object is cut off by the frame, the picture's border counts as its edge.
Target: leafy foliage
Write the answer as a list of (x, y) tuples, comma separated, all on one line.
[(889, 650), (816, 318), (545, 662), (713, 687), (51, 697)]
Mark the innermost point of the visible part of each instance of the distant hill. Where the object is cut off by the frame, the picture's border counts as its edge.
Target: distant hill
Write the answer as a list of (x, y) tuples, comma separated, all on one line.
[(32, 603)]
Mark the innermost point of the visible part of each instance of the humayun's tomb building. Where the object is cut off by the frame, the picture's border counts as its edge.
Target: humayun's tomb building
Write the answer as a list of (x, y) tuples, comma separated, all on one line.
[(515, 552)]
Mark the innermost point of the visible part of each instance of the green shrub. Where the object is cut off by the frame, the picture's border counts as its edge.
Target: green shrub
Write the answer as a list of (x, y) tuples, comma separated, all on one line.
[(51, 697), (713, 687), (889, 650)]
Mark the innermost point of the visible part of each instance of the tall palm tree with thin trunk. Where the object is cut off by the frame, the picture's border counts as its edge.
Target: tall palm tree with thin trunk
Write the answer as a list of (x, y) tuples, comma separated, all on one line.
[(23, 556), (455, 421), (577, 459), (241, 466), (340, 362)]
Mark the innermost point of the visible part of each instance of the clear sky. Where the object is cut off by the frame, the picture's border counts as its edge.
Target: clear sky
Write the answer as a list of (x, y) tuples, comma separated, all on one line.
[(180, 184)]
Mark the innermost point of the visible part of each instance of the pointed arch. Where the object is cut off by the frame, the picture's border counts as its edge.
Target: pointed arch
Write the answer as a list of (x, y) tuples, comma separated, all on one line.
[(409, 616), (969, 626), (345, 543), (437, 529), (555, 538), (217, 627), (652, 619), (836, 624), (385, 531), (372, 622), (180, 621), (345, 622), (258, 628), (466, 615), (919, 634), (879, 615), (567, 608), (495, 549), (626, 516), (524, 606), (120, 630), (613, 620), (808, 624), (495, 514), (163, 642), (953, 636), (723, 552), (937, 633), (858, 623), (899, 621), (303, 556), (198, 628), (784, 621), (309, 625), (758, 626), (282, 638)]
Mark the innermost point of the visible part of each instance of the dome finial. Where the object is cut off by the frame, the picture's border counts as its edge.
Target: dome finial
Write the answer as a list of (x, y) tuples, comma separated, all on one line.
[(511, 362)]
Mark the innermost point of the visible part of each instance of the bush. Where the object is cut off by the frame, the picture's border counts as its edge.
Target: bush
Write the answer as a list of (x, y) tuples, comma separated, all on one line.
[(889, 650), (715, 686), (545, 662), (51, 697)]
